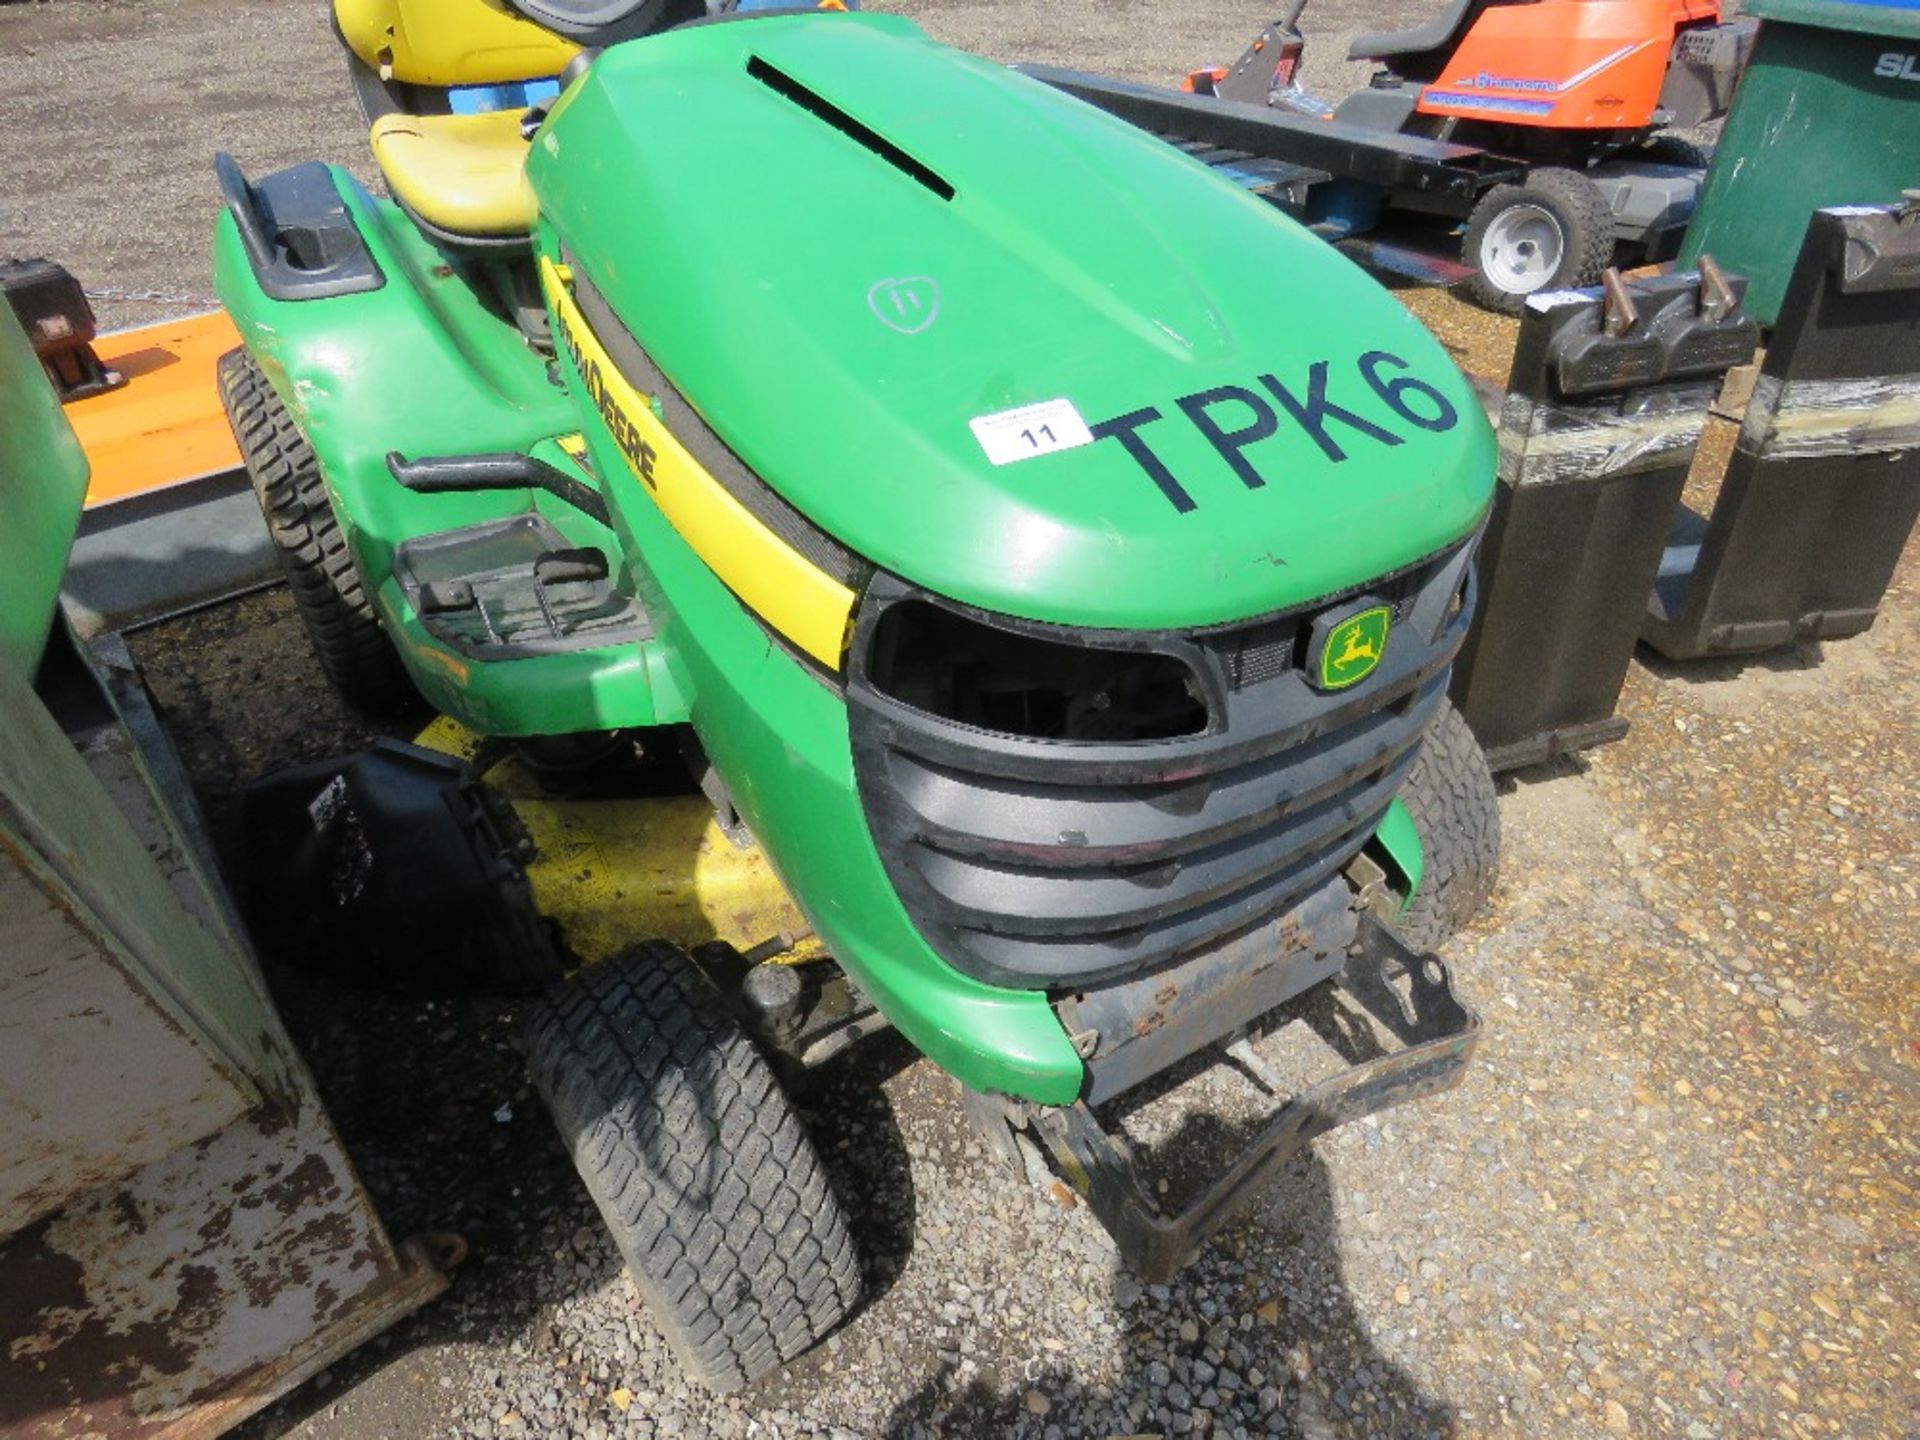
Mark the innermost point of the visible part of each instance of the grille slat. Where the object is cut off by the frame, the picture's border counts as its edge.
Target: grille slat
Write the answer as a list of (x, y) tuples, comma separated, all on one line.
[(1058, 963), (1077, 827), (1046, 863), (1168, 763), (1036, 900)]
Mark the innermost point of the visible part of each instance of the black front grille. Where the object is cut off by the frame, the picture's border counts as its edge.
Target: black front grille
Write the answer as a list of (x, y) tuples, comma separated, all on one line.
[(1046, 863), (1254, 654)]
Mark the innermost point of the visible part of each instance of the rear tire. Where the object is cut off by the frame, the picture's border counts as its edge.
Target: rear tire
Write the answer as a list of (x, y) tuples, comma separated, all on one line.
[(1673, 150), (699, 1167), (1450, 795), (340, 621), (1553, 233)]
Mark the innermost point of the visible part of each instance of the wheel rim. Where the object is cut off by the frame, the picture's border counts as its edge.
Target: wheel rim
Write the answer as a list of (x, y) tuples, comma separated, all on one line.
[(1522, 249)]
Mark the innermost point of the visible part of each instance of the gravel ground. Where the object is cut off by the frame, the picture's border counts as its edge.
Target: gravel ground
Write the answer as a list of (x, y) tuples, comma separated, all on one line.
[(1675, 1197)]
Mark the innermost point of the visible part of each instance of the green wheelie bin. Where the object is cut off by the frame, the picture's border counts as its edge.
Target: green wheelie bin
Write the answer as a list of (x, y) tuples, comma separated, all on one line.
[(1828, 113)]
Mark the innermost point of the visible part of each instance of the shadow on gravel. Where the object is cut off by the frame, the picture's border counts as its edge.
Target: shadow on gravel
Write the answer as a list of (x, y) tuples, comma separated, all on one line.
[(1558, 767), (1801, 655), (850, 1118), (1306, 1366)]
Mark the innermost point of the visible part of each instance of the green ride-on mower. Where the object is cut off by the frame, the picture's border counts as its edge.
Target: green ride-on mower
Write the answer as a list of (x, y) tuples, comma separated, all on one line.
[(1048, 557)]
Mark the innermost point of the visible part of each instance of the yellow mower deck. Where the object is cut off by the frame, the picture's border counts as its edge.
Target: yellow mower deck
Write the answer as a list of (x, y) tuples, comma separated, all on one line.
[(613, 871)]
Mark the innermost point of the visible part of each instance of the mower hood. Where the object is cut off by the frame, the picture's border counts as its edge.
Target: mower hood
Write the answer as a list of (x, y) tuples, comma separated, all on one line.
[(996, 341)]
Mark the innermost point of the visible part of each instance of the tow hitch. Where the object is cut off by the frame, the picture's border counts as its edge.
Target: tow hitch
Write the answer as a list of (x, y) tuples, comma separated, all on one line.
[(1437, 1034)]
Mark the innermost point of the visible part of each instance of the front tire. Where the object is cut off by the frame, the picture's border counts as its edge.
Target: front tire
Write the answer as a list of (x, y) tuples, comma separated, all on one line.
[(697, 1162), (344, 628), (1553, 233), (1450, 795)]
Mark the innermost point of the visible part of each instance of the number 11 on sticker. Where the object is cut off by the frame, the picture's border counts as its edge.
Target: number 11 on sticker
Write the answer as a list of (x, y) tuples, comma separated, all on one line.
[(1011, 435)]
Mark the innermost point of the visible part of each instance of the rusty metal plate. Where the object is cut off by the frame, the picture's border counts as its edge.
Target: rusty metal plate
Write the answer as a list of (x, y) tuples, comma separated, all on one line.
[(209, 1283)]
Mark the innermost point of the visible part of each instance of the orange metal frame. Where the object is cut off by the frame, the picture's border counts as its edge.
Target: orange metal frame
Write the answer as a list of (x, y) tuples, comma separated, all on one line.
[(1565, 64), (165, 426)]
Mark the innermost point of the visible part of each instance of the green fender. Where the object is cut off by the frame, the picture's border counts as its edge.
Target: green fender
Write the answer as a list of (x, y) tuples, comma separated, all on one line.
[(421, 366)]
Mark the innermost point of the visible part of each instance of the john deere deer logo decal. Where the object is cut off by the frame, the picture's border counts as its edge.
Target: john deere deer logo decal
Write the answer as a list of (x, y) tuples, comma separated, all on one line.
[(1352, 648)]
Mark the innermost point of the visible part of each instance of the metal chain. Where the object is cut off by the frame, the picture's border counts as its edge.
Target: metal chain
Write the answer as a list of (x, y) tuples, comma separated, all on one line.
[(152, 297)]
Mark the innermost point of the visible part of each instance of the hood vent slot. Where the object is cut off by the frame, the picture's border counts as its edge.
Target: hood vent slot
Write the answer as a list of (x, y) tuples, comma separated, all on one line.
[(784, 84)]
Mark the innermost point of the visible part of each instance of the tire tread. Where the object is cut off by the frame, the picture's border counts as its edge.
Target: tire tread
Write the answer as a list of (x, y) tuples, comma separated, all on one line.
[(1450, 795), (1585, 219), (688, 1147), (340, 621)]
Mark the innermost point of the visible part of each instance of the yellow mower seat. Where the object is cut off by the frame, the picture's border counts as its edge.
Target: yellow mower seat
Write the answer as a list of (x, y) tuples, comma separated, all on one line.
[(449, 42), (464, 175)]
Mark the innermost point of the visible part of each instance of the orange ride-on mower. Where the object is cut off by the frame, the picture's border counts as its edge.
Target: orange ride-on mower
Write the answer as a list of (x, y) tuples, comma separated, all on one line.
[(1581, 93)]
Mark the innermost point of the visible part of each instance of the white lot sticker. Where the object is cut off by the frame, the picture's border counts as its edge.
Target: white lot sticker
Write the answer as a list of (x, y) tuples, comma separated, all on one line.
[(1031, 430)]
